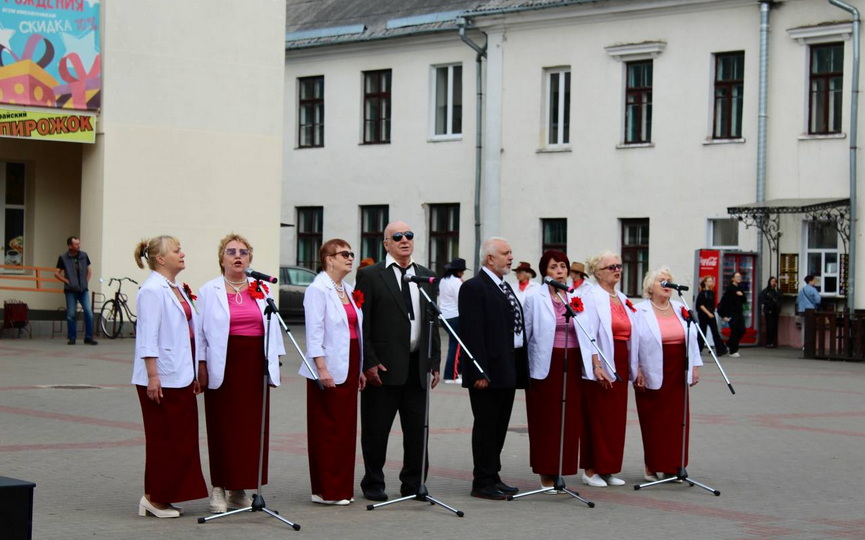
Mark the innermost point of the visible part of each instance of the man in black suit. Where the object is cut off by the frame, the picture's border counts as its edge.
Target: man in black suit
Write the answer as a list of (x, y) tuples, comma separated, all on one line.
[(491, 326), (396, 333)]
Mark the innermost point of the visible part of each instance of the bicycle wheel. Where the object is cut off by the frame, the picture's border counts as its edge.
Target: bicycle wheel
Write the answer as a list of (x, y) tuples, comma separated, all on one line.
[(111, 319)]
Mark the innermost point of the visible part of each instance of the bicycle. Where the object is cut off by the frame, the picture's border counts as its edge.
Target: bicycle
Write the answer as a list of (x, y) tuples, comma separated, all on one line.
[(111, 316)]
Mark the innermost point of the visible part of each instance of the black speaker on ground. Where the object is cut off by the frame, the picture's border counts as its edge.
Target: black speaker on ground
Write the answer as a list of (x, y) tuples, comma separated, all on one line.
[(16, 509)]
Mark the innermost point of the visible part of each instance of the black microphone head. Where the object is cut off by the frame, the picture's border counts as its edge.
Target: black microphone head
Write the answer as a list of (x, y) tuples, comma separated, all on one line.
[(248, 271)]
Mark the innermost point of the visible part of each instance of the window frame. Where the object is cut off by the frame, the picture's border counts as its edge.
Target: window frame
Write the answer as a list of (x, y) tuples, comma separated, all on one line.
[(372, 235), (557, 131), (550, 227), (635, 257), (444, 241), (644, 106), (712, 223), (6, 168), (824, 272), (309, 242), (830, 108), (381, 125), (453, 102), (314, 108), (730, 100)]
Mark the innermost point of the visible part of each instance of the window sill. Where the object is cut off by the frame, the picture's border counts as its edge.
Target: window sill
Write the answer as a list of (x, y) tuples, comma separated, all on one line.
[(444, 138), (553, 150), (812, 137), (625, 146), (712, 142), (308, 147)]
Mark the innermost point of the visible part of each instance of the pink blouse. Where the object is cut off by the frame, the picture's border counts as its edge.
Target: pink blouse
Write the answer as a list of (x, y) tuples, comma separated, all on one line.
[(351, 313), (671, 330), (562, 326), (621, 323), (245, 318)]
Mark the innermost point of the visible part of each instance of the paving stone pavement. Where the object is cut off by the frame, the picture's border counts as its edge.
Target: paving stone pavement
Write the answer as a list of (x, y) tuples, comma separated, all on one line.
[(785, 452)]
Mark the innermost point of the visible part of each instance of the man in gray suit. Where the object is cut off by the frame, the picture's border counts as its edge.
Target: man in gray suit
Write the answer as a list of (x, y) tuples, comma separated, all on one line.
[(396, 334)]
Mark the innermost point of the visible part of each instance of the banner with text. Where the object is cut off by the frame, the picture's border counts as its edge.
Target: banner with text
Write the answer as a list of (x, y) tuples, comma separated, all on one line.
[(51, 126)]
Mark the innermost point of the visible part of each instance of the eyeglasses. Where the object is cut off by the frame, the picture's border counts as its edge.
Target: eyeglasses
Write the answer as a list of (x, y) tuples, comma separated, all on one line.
[(231, 252), (345, 254), (613, 267), (397, 237)]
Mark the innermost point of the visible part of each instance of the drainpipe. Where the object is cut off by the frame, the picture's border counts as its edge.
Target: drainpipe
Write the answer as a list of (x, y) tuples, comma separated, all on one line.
[(762, 120), (854, 136), (481, 53)]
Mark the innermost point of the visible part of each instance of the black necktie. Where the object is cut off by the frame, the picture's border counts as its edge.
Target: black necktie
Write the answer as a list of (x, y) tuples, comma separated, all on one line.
[(406, 293), (515, 307)]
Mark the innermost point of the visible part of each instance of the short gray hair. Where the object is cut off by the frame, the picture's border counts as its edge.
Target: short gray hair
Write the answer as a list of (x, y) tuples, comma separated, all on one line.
[(487, 247), (652, 276)]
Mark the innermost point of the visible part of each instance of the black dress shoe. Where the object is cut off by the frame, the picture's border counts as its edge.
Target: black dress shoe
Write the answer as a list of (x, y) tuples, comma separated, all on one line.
[(506, 489), (91, 342), (375, 494), (71, 342), (491, 492)]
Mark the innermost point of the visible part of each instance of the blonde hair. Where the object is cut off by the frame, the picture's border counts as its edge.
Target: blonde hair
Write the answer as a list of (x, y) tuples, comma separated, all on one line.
[(652, 276), (593, 262), (148, 250), (230, 237)]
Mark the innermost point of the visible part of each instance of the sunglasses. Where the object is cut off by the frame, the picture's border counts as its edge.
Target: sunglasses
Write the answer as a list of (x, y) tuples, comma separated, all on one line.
[(397, 237), (231, 252), (613, 267), (345, 254)]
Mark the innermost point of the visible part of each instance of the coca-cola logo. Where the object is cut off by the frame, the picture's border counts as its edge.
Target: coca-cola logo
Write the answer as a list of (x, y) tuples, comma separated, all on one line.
[(708, 261)]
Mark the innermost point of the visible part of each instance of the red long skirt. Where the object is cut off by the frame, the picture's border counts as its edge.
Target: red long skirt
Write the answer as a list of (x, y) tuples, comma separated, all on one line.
[(233, 413), (544, 415), (660, 413), (331, 425), (172, 471), (605, 415)]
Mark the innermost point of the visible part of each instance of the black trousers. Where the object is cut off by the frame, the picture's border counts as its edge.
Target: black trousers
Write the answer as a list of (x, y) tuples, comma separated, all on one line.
[(737, 330), (492, 411), (772, 328), (378, 408), (712, 326)]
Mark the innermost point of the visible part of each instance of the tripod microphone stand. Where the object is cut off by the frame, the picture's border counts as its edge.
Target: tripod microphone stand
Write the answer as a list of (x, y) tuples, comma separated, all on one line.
[(258, 502), (559, 484), (422, 494), (682, 473)]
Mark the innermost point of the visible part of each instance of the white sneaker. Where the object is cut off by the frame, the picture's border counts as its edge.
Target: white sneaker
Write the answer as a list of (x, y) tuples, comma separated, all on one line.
[(217, 501), (238, 498), (318, 500), (595, 480), (612, 480), (734, 355)]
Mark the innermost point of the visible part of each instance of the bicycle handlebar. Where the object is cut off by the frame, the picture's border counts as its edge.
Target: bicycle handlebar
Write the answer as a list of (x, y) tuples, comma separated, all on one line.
[(120, 280)]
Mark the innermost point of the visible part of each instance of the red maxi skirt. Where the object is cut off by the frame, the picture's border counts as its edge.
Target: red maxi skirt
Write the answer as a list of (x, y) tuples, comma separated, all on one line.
[(331, 425), (233, 413), (660, 413), (172, 470), (544, 415), (605, 415)]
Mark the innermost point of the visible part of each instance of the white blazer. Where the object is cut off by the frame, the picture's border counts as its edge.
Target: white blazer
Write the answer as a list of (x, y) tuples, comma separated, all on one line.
[(597, 306), (650, 348), (211, 336), (327, 331), (532, 287), (162, 331), (540, 321)]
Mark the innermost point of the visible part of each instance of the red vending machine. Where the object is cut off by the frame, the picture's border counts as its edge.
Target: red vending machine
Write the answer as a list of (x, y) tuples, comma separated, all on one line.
[(721, 265)]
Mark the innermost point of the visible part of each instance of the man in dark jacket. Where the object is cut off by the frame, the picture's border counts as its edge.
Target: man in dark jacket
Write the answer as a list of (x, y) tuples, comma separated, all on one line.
[(73, 269)]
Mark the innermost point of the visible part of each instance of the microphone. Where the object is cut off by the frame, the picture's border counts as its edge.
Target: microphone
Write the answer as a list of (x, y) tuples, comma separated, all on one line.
[(258, 275), (418, 279), (558, 285), (668, 285)]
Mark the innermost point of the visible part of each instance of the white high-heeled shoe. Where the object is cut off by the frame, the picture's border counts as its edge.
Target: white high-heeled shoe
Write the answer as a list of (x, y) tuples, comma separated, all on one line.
[(144, 508)]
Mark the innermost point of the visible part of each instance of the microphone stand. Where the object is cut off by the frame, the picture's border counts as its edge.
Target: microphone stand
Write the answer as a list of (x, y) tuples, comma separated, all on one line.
[(258, 503), (422, 491), (559, 484), (682, 473)]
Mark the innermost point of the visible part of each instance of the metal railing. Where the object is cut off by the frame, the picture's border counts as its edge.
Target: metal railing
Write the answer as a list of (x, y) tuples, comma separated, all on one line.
[(29, 279)]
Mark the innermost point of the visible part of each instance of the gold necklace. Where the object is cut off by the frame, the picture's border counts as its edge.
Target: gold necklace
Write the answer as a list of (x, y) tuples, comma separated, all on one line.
[(661, 308)]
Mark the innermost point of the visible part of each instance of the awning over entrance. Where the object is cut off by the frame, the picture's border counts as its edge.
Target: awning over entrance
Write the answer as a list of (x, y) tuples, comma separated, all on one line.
[(765, 215)]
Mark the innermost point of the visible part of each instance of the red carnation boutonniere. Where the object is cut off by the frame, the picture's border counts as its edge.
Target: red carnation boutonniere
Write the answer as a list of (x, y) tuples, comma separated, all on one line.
[(187, 290), (577, 304), (630, 305), (685, 314), (357, 296), (257, 290)]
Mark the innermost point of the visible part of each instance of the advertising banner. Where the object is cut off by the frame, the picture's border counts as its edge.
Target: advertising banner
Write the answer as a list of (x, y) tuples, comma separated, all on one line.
[(49, 53), (50, 126)]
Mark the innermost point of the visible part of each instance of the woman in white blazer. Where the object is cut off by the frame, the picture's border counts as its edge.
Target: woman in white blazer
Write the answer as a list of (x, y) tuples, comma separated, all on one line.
[(605, 400), (549, 336), (232, 340), (332, 310), (164, 376), (668, 361)]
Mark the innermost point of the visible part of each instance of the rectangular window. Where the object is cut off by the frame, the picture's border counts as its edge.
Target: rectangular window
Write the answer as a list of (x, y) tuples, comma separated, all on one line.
[(376, 106), (309, 235), (310, 112), (373, 220), (448, 96), (12, 207), (729, 89), (444, 235), (638, 102), (724, 233), (635, 255), (554, 234), (822, 258), (558, 106), (826, 79)]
